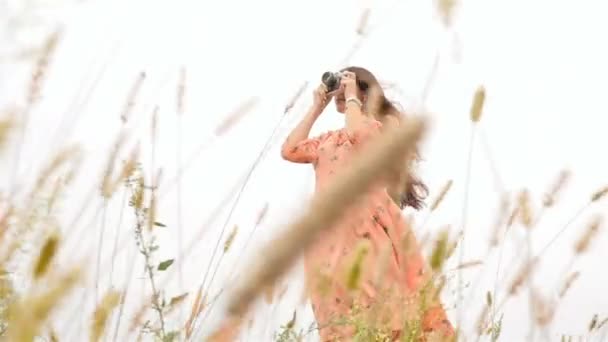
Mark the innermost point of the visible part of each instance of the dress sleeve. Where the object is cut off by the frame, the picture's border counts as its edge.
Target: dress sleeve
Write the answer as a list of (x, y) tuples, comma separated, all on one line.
[(303, 152), (368, 129)]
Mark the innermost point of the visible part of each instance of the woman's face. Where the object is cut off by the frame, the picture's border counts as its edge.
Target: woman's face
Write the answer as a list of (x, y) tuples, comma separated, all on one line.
[(340, 102)]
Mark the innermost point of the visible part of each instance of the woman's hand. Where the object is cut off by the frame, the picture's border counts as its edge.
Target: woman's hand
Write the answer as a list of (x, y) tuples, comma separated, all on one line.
[(320, 99), (349, 84)]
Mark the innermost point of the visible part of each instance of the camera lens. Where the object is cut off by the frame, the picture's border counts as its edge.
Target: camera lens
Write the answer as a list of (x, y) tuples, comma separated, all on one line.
[(330, 80)]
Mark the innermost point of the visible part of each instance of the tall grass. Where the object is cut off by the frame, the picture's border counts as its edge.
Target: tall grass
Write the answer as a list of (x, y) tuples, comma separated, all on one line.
[(31, 307)]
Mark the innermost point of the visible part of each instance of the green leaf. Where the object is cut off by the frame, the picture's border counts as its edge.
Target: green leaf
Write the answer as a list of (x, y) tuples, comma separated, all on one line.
[(158, 224), (165, 264), (171, 336)]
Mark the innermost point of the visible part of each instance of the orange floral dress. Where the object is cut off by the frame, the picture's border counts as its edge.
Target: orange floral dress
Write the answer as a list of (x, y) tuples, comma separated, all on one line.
[(369, 265)]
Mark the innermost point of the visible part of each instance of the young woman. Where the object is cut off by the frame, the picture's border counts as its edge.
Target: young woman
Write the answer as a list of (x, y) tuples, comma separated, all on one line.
[(394, 287)]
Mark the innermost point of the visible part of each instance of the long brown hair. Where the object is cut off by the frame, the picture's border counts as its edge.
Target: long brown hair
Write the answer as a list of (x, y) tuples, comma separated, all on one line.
[(380, 107)]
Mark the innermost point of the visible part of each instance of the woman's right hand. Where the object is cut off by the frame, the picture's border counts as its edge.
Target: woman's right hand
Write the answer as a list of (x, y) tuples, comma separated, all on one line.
[(320, 98)]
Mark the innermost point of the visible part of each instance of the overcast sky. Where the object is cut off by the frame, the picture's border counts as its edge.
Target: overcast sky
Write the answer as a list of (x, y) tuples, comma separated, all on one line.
[(542, 63)]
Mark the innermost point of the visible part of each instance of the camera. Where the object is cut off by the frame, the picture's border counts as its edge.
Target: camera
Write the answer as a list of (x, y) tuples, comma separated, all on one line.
[(331, 80)]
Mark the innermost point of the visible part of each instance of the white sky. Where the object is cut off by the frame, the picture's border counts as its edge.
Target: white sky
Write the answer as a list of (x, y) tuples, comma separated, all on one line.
[(542, 63)]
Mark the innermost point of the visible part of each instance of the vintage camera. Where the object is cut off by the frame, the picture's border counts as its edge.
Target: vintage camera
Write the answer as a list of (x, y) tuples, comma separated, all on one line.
[(331, 80)]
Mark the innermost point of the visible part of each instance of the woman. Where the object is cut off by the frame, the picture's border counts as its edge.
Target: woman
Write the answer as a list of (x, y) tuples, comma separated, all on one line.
[(393, 279)]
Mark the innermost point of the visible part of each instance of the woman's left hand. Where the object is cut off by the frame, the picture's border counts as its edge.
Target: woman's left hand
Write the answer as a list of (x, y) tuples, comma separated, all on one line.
[(349, 84)]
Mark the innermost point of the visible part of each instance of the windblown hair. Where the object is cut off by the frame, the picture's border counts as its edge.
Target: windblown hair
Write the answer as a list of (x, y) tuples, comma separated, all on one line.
[(415, 191)]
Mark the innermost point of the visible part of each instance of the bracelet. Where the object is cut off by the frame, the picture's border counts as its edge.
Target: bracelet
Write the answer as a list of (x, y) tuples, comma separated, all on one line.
[(355, 100)]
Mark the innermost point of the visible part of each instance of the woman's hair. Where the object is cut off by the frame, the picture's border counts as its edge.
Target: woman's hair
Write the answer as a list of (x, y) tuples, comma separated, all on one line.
[(415, 190)]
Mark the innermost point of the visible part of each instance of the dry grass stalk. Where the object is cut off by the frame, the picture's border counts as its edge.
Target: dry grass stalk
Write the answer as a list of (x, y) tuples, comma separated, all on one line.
[(52, 335), (543, 311), (513, 216), (556, 188), (444, 190), (521, 277), (228, 331), (6, 126), (154, 124), (230, 238), (354, 272), (46, 255), (60, 159), (599, 194), (57, 187), (107, 183), (176, 301), (295, 97), (593, 322), (103, 311), (482, 321), (236, 116), (50, 45), (152, 207), (152, 212), (439, 254), (568, 283), (451, 248), (446, 10), (602, 323), (30, 217), (582, 245), (525, 209), (110, 186), (326, 208), (197, 308), (478, 102), (262, 214), (468, 264), (132, 98), (501, 219), (137, 319), (363, 22), (181, 91), (29, 314), (6, 214)]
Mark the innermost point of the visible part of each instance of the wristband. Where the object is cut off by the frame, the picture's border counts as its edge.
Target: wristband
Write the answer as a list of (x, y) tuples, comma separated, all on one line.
[(355, 100)]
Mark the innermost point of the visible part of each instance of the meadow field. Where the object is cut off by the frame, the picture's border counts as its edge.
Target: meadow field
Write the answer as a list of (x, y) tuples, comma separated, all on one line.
[(143, 194)]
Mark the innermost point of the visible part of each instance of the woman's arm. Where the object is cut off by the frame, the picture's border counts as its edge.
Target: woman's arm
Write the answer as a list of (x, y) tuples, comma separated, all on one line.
[(358, 125), (297, 147), (355, 119)]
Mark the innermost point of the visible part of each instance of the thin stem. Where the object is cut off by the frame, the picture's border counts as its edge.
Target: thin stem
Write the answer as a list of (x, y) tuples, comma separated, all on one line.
[(465, 207), (259, 158), (117, 234), (563, 229), (145, 251), (100, 246), (178, 154), (18, 147), (128, 276)]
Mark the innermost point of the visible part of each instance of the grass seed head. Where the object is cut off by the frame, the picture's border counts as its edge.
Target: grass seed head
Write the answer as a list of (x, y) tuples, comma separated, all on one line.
[(599, 194), (582, 245), (551, 195), (46, 255), (444, 190), (525, 209), (478, 102), (103, 311)]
